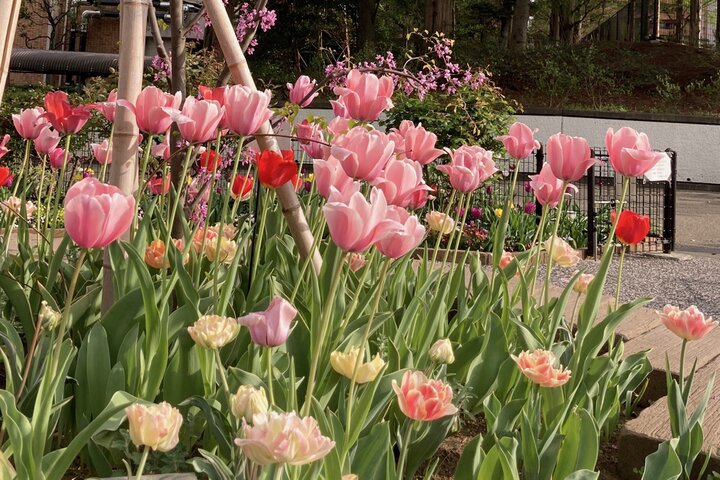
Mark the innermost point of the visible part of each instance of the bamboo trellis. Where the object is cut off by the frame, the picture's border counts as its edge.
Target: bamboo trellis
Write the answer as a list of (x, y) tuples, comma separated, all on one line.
[(9, 14)]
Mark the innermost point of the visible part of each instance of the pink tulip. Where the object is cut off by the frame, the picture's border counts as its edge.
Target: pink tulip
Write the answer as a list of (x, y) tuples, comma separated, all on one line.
[(399, 243), (300, 91), (102, 152), (419, 199), (339, 109), (329, 173), (338, 126), (415, 143), (569, 157), (97, 214), (108, 107), (362, 153), (469, 167), (538, 367), (506, 259), (162, 150), (57, 158), (356, 224), (689, 324), (271, 327), (355, 261), (3, 149), (62, 116), (519, 142), (311, 139), (366, 96), (154, 109), (400, 180), (630, 152), (283, 438), (246, 109), (46, 140), (199, 120), (423, 399), (344, 195), (30, 122), (548, 189)]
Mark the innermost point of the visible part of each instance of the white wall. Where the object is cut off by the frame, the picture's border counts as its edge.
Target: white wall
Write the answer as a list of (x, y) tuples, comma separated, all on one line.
[(697, 146)]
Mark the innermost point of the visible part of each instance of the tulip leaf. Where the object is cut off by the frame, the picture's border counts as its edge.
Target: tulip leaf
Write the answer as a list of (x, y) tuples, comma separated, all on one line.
[(370, 449), (470, 460), (217, 423), (20, 304), (664, 464), (212, 466), (580, 445)]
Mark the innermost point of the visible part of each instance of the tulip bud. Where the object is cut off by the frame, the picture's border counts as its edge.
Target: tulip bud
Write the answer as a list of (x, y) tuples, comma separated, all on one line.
[(248, 401), (442, 352), (214, 331), (582, 283), (356, 261), (49, 317)]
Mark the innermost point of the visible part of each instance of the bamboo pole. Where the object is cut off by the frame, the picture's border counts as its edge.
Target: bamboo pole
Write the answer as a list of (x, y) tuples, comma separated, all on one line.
[(235, 60), (8, 22), (124, 167)]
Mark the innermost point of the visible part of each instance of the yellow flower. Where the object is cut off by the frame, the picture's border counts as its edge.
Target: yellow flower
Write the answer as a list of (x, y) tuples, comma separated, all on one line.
[(498, 212), (310, 178), (439, 222), (344, 364)]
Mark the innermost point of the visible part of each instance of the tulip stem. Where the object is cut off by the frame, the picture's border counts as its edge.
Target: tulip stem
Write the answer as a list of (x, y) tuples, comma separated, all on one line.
[(681, 379), (361, 352), (38, 221), (223, 376), (178, 194), (324, 324), (540, 233), (56, 203), (404, 449), (267, 353), (260, 234), (141, 182), (548, 270), (619, 279), (22, 167), (141, 465), (572, 318), (317, 238), (103, 168), (442, 227), (356, 297)]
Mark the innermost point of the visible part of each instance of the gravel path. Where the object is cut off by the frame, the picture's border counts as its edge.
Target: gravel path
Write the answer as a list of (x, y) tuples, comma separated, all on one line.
[(692, 281)]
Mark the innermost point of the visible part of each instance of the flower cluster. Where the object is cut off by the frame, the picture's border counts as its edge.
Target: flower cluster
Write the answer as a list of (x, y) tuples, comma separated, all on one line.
[(249, 19)]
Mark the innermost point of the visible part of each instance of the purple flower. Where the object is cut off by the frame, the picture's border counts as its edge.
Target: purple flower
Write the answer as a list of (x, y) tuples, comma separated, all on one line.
[(489, 189), (528, 187), (476, 213), (530, 207)]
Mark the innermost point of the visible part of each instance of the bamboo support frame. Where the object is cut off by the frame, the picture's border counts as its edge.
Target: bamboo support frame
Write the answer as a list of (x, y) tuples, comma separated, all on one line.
[(124, 168), (8, 23), (235, 60)]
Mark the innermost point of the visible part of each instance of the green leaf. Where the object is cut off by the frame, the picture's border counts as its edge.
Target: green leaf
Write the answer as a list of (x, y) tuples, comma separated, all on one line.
[(216, 422), (370, 449), (20, 433), (470, 460), (664, 464), (583, 475), (212, 466), (580, 445), (20, 304)]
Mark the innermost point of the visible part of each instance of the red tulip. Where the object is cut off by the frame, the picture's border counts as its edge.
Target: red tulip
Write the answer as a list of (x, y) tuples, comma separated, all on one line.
[(242, 187), (62, 116), (631, 227), (159, 185), (6, 177), (210, 160), (275, 169)]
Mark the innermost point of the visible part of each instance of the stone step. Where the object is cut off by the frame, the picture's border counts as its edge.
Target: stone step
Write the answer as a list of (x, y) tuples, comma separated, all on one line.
[(641, 436)]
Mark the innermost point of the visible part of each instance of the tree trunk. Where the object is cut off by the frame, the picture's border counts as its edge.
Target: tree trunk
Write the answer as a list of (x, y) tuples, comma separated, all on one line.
[(521, 17), (555, 21), (124, 168), (679, 14), (631, 22), (440, 16), (695, 23), (568, 25), (656, 20), (292, 211), (178, 81), (366, 24), (8, 22), (717, 24)]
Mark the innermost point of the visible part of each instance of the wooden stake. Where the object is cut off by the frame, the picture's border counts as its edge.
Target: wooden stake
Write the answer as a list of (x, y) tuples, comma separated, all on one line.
[(8, 22), (124, 168), (235, 60)]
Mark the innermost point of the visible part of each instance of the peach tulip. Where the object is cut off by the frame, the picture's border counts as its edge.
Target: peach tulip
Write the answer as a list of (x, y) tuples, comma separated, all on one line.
[(271, 327), (506, 259), (363, 154), (583, 282), (520, 141), (30, 122), (689, 324), (102, 152), (415, 143), (423, 399), (214, 331), (401, 242), (155, 426), (47, 140), (246, 109), (226, 252), (630, 152), (283, 438), (538, 366), (400, 181), (469, 167), (366, 96), (97, 214), (562, 253), (356, 261), (155, 255), (345, 364), (300, 91), (13, 205), (569, 157), (442, 352), (356, 224)]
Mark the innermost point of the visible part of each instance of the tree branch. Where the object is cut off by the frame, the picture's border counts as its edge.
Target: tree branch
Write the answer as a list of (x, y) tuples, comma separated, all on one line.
[(224, 77), (157, 35)]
